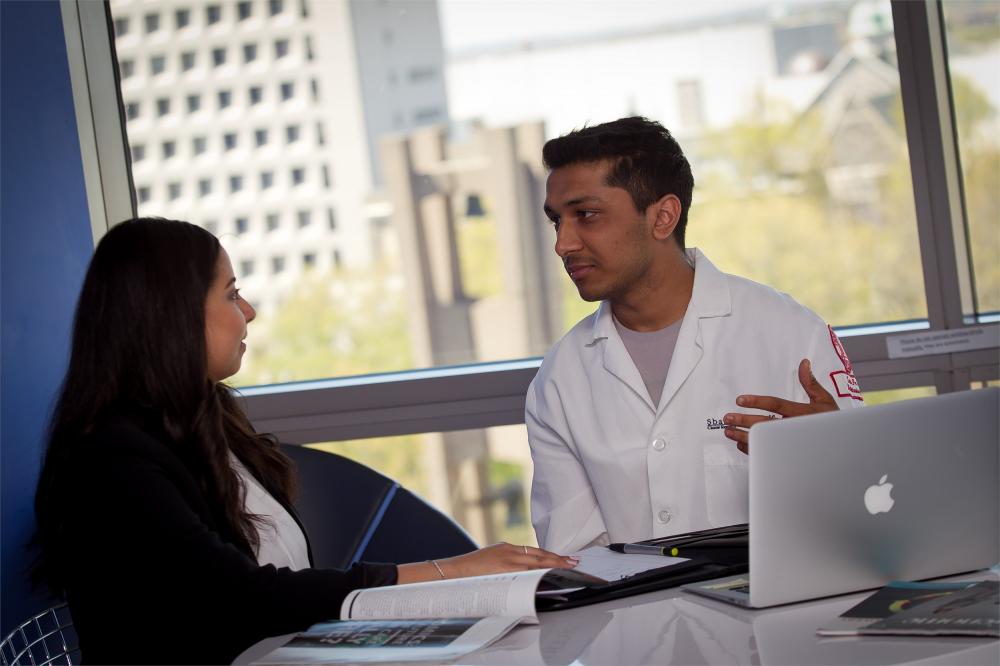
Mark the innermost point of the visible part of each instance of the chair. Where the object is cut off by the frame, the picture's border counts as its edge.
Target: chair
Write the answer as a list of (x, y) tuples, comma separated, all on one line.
[(353, 513), (47, 638)]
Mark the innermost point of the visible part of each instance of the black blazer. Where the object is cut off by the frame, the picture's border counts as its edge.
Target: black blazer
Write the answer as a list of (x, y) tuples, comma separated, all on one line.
[(151, 575)]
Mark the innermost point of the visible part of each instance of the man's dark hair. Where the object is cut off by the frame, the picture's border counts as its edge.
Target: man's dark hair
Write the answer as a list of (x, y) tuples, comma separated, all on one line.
[(646, 161)]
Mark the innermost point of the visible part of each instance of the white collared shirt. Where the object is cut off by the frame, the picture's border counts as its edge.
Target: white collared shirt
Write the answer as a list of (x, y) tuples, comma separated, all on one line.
[(610, 466), (282, 542)]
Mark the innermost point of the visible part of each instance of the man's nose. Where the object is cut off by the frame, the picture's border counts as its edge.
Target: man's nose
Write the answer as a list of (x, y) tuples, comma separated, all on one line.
[(567, 240)]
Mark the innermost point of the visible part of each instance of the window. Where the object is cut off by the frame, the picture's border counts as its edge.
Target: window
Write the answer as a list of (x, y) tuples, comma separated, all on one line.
[(260, 137), (291, 133), (314, 89), (320, 135), (121, 26), (255, 94), (287, 90), (199, 145), (337, 261), (280, 48), (138, 152), (249, 52), (331, 219), (426, 115), (204, 187), (173, 191), (187, 61), (151, 23), (212, 227), (244, 10), (193, 103), (266, 180), (126, 68), (218, 56), (298, 176), (309, 48), (275, 7), (182, 18), (168, 149), (304, 217), (277, 264), (235, 184), (420, 74), (273, 221), (326, 176), (213, 14), (309, 259), (162, 106), (225, 99), (143, 193), (242, 225), (246, 267), (689, 103), (229, 140)]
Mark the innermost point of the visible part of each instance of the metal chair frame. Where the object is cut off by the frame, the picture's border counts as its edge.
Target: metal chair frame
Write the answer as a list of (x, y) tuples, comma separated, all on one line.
[(46, 638)]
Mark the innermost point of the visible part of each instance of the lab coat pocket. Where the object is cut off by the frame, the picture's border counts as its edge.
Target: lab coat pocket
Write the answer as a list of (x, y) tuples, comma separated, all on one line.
[(726, 484)]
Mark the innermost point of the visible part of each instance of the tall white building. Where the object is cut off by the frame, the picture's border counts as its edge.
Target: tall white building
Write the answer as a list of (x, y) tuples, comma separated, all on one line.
[(258, 119)]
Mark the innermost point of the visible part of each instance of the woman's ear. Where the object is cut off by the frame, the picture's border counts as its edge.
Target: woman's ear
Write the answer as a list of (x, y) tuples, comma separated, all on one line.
[(667, 211)]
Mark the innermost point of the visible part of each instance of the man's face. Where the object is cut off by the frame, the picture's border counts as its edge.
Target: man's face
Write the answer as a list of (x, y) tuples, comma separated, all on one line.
[(606, 244)]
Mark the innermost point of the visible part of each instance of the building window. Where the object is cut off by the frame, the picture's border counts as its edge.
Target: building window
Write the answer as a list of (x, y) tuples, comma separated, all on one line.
[(292, 133), (280, 48), (121, 26), (173, 191), (182, 18), (211, 226), (187, 61), (260, 137), (273, 221), (309, 259), (169, 149), (277, 264), (219, 56), (235, 183), (266, 180), (204, 187), (336, 258), (690, 106), (314, 89), (244, 10), (298, 176), (193, 103), (213, 14), (426, 115), (199, 145), (138, 152), (287, 90), (225, 99), (151, 22), (304, 217), (242, 225), (126, 68), (229, 140), (327, 182), (275, 7), (255, 95), (162, 106), (309, 48), (143, 194), (320, 135), (419, 74), (331, 218), (157, 64), (246, 268), (249, 52)]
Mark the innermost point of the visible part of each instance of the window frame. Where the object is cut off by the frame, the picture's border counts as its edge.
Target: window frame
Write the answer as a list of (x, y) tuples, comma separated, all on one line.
[(491, 394)]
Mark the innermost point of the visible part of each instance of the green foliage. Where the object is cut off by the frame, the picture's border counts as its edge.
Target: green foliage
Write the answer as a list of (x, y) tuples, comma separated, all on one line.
[(403, 459)]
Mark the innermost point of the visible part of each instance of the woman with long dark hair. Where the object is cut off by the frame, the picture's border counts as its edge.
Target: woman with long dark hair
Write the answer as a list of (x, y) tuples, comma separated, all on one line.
[(164, 519)]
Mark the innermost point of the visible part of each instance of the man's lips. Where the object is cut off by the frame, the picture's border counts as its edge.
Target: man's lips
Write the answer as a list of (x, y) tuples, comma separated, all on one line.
[(578, 271)]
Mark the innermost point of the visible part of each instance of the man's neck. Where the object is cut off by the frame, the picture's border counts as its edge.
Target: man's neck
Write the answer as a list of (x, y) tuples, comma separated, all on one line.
[(661, 299)]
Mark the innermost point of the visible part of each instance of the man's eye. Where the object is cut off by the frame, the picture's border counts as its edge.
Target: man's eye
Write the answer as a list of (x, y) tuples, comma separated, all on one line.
[(586, 214)]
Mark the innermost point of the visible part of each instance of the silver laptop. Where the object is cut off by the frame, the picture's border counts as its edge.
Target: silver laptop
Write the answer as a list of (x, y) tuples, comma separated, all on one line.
[(851, 500)]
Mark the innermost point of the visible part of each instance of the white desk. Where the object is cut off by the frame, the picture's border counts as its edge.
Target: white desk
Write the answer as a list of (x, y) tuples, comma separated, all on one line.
[(673, 627)]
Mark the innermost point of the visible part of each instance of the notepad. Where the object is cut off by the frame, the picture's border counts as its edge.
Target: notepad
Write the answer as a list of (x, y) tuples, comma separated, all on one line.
[(611, 566)]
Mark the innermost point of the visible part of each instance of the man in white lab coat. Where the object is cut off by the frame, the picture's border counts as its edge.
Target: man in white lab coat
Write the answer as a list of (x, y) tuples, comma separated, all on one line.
[(638, 416)]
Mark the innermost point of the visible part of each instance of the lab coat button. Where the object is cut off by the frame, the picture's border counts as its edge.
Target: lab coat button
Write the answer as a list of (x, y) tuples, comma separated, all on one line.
[(664, 517), (659, 444)]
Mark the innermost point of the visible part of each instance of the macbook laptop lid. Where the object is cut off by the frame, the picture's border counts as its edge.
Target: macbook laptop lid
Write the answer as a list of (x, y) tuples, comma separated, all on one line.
[(850, 500)]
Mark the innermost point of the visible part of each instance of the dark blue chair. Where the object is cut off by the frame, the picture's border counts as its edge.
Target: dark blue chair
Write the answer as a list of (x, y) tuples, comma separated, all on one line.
[(353, 513)]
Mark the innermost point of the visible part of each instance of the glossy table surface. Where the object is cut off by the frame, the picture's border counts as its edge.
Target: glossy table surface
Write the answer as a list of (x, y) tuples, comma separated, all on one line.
[(674, 627)]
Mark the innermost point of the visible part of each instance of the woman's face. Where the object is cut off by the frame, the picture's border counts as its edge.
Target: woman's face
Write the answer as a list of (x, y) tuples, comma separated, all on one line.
[(226, 318)]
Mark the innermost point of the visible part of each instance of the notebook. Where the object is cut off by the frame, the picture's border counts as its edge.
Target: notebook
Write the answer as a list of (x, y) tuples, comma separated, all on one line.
[(851, 500)]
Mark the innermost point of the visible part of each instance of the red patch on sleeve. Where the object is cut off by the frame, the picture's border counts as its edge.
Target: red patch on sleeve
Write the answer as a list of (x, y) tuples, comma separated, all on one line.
[(844, 381)]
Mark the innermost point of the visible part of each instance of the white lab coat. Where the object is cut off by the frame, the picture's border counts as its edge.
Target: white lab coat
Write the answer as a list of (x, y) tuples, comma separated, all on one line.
[(610, 466)]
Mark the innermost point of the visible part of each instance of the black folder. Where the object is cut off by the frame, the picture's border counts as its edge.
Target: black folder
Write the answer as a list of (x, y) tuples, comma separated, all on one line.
[(728, 562)]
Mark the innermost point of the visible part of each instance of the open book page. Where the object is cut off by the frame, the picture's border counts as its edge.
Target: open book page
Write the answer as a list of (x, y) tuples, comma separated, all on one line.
[(508, 595), (611, 566), (367, 641)]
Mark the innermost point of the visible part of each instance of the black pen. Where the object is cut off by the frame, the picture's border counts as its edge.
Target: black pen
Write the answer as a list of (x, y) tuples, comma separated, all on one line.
[(637, 549), (672, 551)]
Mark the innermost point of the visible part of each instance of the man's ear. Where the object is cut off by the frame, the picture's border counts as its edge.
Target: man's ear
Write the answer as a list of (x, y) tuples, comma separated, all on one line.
[(666, 213)]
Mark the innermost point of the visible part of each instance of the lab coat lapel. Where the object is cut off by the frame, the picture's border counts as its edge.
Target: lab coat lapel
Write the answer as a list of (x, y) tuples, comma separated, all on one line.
[(709, 298), (615, 357)]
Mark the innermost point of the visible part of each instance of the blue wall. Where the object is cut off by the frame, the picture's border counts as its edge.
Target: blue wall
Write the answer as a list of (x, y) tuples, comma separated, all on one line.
[(45, 243)]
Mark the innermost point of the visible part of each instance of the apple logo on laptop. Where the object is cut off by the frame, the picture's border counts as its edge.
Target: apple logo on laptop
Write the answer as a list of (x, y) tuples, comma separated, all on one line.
[(878, 498)]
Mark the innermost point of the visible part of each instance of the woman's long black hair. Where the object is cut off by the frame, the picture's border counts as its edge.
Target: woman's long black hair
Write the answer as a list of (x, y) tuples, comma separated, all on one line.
[(139, 348)]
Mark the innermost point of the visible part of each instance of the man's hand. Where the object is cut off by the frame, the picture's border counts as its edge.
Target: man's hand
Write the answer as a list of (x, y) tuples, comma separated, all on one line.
[(819, 401)]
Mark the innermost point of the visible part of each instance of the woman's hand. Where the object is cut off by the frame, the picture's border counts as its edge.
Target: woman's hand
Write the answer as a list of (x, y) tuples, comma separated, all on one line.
[(498, 558)]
